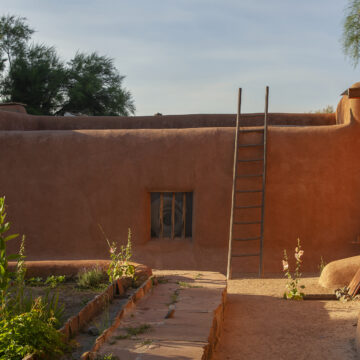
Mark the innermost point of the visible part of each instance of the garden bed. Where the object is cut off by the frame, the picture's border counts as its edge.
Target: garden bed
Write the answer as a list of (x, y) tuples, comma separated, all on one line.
[(87, 311), (69, 295)]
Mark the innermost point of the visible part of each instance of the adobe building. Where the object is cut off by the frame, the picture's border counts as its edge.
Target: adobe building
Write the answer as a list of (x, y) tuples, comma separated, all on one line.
[(63, 176)]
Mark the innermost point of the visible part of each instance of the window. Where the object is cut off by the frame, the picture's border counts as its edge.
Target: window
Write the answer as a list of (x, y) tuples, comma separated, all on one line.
[(171, 214)]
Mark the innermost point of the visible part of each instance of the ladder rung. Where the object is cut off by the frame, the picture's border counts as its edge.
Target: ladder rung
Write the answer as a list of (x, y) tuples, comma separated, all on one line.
[(247, 222), (251, 130), (247, 239), (251, 145), (248, 191), (241, 255), (249, 207), (249, 175), (248, 160)]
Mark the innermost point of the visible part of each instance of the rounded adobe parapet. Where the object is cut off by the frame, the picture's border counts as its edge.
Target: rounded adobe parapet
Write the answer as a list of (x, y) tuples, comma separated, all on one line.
[(339, 273)]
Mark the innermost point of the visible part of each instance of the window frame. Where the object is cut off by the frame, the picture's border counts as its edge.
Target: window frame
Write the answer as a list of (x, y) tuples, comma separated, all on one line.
[(161, 217)]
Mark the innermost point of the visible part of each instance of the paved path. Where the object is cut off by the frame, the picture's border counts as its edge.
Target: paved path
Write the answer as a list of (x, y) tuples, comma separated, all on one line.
[(195, 296)]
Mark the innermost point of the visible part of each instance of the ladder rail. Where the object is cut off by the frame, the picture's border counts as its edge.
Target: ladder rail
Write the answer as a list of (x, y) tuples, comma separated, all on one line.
[(228, 272), (261, 267), (238, 146)]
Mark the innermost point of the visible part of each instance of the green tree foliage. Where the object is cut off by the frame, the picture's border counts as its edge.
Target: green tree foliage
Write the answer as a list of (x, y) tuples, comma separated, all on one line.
[(37, 78), (351, 31), (35, 75), (14, 35), (95, 87)]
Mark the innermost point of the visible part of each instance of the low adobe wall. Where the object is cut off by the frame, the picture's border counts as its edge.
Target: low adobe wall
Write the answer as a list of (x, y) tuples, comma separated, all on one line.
[(12, 121), (60, 184)]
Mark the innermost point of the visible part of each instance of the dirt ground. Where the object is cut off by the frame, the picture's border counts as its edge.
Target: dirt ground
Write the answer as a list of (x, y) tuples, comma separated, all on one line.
[(72, 298), (259, 324)]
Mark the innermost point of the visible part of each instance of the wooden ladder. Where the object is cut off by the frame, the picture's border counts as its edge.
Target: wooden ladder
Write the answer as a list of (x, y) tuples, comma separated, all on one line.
[(248, 189)]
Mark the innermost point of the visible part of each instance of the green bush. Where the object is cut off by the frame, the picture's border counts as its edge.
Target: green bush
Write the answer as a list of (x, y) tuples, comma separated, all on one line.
[(27, 326), (30, 333), (91, 278)]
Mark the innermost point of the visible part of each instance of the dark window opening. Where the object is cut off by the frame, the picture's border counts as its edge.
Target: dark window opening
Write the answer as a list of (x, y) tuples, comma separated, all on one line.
[(171, 214)]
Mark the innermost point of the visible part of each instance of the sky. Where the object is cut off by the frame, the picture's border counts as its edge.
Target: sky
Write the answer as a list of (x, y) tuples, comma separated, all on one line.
[(191, 56)]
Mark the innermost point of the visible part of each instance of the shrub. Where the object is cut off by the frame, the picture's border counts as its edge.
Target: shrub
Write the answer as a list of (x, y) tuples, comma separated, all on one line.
[(19, 302), (119, 265), (90, 278), (26, 326), (30, 333)]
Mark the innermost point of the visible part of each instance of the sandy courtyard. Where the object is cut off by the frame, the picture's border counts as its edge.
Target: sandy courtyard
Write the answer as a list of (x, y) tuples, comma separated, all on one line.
[(260, 325)]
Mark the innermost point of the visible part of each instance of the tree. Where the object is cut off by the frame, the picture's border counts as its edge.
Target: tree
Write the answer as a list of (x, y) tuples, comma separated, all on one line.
[(14, 35), (37, 78), (35, 75), (351, 31), (95, 87)]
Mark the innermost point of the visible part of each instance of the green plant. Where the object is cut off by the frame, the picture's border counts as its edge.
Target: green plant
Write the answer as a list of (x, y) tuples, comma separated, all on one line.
[(20, 266), (84, 301), (147, 342), (141, 329), (343, 295), (104, 320), (19, 283), (30, 333), (91, 278), (119, 265), (321, 265), (106, 357), (184, 284), (27, 326), (5, 274), (53, 281), (35, 281), (52, 309), (134, 331), (19, 302), (292, 292)]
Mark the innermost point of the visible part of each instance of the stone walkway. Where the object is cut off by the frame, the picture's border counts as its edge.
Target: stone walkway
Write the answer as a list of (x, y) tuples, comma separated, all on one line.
[(145, 334)]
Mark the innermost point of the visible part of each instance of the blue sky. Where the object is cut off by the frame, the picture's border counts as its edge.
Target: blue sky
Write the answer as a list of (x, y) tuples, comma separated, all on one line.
[(190, 56)]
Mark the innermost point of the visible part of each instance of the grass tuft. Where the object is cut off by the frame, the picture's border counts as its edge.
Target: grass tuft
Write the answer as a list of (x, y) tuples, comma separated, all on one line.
[(91, 278)]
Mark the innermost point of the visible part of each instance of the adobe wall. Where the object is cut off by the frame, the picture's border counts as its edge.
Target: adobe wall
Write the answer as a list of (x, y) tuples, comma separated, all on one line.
[(60, 184), (11, 121)]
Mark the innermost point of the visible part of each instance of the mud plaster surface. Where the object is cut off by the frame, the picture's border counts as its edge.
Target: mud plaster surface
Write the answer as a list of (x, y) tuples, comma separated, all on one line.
[(260, 325)]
